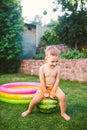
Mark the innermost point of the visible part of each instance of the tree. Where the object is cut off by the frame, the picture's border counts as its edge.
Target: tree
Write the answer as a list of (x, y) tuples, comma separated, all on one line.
[(72, 5), (45, 12), (11, 28), (72, 26), (50, 37), (52, 24)]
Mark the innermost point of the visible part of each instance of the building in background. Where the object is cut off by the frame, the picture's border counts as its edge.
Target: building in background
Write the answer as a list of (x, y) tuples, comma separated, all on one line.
[(31, 40)]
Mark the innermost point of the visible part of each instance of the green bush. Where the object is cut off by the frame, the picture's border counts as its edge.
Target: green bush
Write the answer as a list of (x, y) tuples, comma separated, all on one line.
[(73, 54), (11, 28), (9, 66), (39, 56), (84, 51), (50, 37)]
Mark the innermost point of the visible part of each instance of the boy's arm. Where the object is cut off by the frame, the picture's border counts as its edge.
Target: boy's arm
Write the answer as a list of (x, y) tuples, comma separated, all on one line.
[(42, 80), (56, 83)]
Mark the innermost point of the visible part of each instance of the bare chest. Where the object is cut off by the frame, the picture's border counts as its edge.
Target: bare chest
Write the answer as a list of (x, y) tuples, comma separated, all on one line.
[(50, 73)]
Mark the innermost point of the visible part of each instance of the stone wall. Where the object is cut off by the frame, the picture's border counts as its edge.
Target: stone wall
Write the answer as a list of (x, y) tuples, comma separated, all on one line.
[(73, 70)]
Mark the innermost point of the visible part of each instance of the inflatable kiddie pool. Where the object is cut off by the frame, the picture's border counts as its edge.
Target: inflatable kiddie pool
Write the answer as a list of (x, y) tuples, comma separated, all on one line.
[(18, 92), (23, 92)]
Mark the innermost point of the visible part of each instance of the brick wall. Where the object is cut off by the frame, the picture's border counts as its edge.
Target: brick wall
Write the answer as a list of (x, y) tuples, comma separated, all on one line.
[(73, 70)]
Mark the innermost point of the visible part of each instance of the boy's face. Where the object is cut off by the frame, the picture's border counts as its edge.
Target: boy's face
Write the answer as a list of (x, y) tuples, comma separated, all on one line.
[(52, 61)]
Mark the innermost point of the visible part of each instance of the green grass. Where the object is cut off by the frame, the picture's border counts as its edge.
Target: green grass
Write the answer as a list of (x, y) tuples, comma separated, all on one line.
[(76, 94)]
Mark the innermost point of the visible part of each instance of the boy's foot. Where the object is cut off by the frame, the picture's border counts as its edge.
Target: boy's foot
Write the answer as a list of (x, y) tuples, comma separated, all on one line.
[(25, 113), (65, 116)]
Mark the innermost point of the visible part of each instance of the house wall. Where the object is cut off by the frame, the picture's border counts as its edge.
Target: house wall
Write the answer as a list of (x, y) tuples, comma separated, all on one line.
[(39, 33), (73, 70), (31, 40), (29, 43)]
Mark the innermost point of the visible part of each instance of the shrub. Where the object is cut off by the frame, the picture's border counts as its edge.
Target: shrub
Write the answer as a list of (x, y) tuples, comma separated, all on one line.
[(84, 51), (50, 37), (11, 28), (39, 56), (73, 54)]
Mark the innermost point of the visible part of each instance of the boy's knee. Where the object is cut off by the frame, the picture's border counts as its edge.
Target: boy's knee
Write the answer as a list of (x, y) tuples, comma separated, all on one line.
[(36, 100), (63, 97)]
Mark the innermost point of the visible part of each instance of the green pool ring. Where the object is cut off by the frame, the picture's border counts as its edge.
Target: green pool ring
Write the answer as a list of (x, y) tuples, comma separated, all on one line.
[(12, 101)]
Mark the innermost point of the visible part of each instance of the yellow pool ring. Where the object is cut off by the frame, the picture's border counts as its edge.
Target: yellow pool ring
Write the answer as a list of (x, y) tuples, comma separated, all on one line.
[(16, 96), (18, 92), (21, 87)]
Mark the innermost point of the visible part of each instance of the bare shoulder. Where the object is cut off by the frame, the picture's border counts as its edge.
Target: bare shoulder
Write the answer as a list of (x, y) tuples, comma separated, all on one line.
[(42, 67), (58, 68), (41, 70)]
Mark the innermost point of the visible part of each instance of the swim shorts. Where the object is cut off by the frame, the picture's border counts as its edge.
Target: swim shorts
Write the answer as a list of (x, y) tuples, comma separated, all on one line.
[(49, 89)]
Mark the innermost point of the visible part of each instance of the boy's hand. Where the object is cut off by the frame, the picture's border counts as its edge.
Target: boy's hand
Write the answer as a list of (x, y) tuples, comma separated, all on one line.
[(46, 94), (52, 95)]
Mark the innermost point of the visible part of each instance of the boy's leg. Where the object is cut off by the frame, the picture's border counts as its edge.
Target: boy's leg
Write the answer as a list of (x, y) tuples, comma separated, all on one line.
[(36, 99), (62, 99)]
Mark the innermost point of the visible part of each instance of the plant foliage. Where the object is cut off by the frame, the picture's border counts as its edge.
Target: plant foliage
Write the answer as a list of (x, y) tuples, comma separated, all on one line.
[(73, 54), (11, 28), (50, 37), (84, 51), (72, 26), (39, 56)]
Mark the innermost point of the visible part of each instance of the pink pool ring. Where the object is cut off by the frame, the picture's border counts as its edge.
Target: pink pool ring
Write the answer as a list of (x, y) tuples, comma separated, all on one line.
[(20, 88), (18, 92)]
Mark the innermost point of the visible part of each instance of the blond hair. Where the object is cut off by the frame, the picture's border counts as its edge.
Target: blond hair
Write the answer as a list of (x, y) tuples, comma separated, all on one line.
[(52, 50)]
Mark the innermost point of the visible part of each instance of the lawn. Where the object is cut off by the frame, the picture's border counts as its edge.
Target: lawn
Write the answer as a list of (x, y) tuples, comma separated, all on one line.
[(76, 94)]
